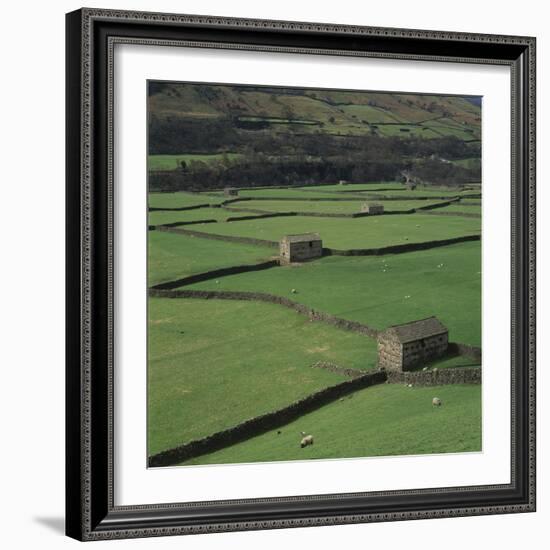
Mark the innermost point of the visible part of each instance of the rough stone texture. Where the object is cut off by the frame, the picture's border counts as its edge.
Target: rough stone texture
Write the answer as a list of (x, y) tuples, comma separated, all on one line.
[(394, 249), (436, 377), (459, 214), (300, 248), (370, 208), (264, 423), (437, 205), (403, 347), (214, 274), (312, 314)]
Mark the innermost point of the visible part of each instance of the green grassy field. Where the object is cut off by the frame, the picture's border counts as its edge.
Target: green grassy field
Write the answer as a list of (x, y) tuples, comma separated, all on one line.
[(173, 256), (382, 420), (177, 200), (173, 162), (459, 207), (351, 187), (214, 363), (331, 207), (287, 193), (367, 232), (160, 217), (384, 290), (421, 192)]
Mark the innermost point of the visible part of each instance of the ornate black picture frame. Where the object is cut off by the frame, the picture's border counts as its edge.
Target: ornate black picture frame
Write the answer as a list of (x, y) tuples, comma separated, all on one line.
[(91, 513)]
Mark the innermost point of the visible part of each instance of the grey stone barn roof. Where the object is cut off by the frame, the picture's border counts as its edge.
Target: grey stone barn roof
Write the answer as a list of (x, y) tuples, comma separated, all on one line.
[(304, 237), (416, 330)]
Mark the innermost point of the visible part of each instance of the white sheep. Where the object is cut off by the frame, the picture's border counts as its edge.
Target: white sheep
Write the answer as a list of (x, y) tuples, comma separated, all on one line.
[(436, 402), (306, 440)]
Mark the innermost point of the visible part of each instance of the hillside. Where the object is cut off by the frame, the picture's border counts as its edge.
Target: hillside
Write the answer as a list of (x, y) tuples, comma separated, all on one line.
[(283, 110), (211, 136)]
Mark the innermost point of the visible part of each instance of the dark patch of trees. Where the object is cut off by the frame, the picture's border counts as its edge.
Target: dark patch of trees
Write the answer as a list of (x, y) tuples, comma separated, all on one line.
[(273, 158)]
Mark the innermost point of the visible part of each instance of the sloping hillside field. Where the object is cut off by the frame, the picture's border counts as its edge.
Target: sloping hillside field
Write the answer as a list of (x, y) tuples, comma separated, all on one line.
[(314, 274), (215, 364)]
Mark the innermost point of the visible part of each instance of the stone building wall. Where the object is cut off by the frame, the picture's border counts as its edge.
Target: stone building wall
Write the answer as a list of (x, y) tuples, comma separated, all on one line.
[(389, 354), (300, 251), (372, 208), (437, 377), (426, 349)]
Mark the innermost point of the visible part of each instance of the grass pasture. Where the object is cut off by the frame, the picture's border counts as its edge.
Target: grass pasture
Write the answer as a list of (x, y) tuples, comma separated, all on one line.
[(461, 207), (291, 193), (383, 420), (160, 217), (172, 256), (214, 363), (173, 162), (382, 290), (180, 199), (367, 232), (330, 207)]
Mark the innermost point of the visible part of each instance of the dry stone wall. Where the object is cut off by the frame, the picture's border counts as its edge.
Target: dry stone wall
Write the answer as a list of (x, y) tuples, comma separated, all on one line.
[(436, 377), (268, 298), (264, 423)]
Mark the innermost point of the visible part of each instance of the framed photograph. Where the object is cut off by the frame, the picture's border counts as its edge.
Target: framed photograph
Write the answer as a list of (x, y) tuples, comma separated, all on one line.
[(300, 274)]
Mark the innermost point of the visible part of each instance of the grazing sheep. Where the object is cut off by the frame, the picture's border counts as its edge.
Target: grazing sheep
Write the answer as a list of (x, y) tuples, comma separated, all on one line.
[(306, 440), (293, 291), (436, 402)]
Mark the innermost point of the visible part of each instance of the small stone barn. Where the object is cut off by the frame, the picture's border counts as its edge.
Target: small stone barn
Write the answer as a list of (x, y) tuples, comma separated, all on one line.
[(403, 347), (372, 208), (231, 192), (299, 248)]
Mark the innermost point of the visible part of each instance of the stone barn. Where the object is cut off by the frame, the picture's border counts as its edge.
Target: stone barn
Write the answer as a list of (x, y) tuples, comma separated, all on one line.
[(372, 208), (299, 248), (231, 192), (403, 347)]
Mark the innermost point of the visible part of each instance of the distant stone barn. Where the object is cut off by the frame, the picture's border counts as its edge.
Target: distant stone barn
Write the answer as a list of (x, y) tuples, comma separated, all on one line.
[(299, 248), (403, 347), (231, 192), (372, 208)]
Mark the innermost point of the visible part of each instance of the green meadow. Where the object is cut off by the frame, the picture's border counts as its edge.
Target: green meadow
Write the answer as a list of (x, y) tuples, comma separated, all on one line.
[(173, 162), (172, 256), (214, 363), (161, 217), (180, 199), (367, 232), (330, 207), (382, 420), (382, 290)]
